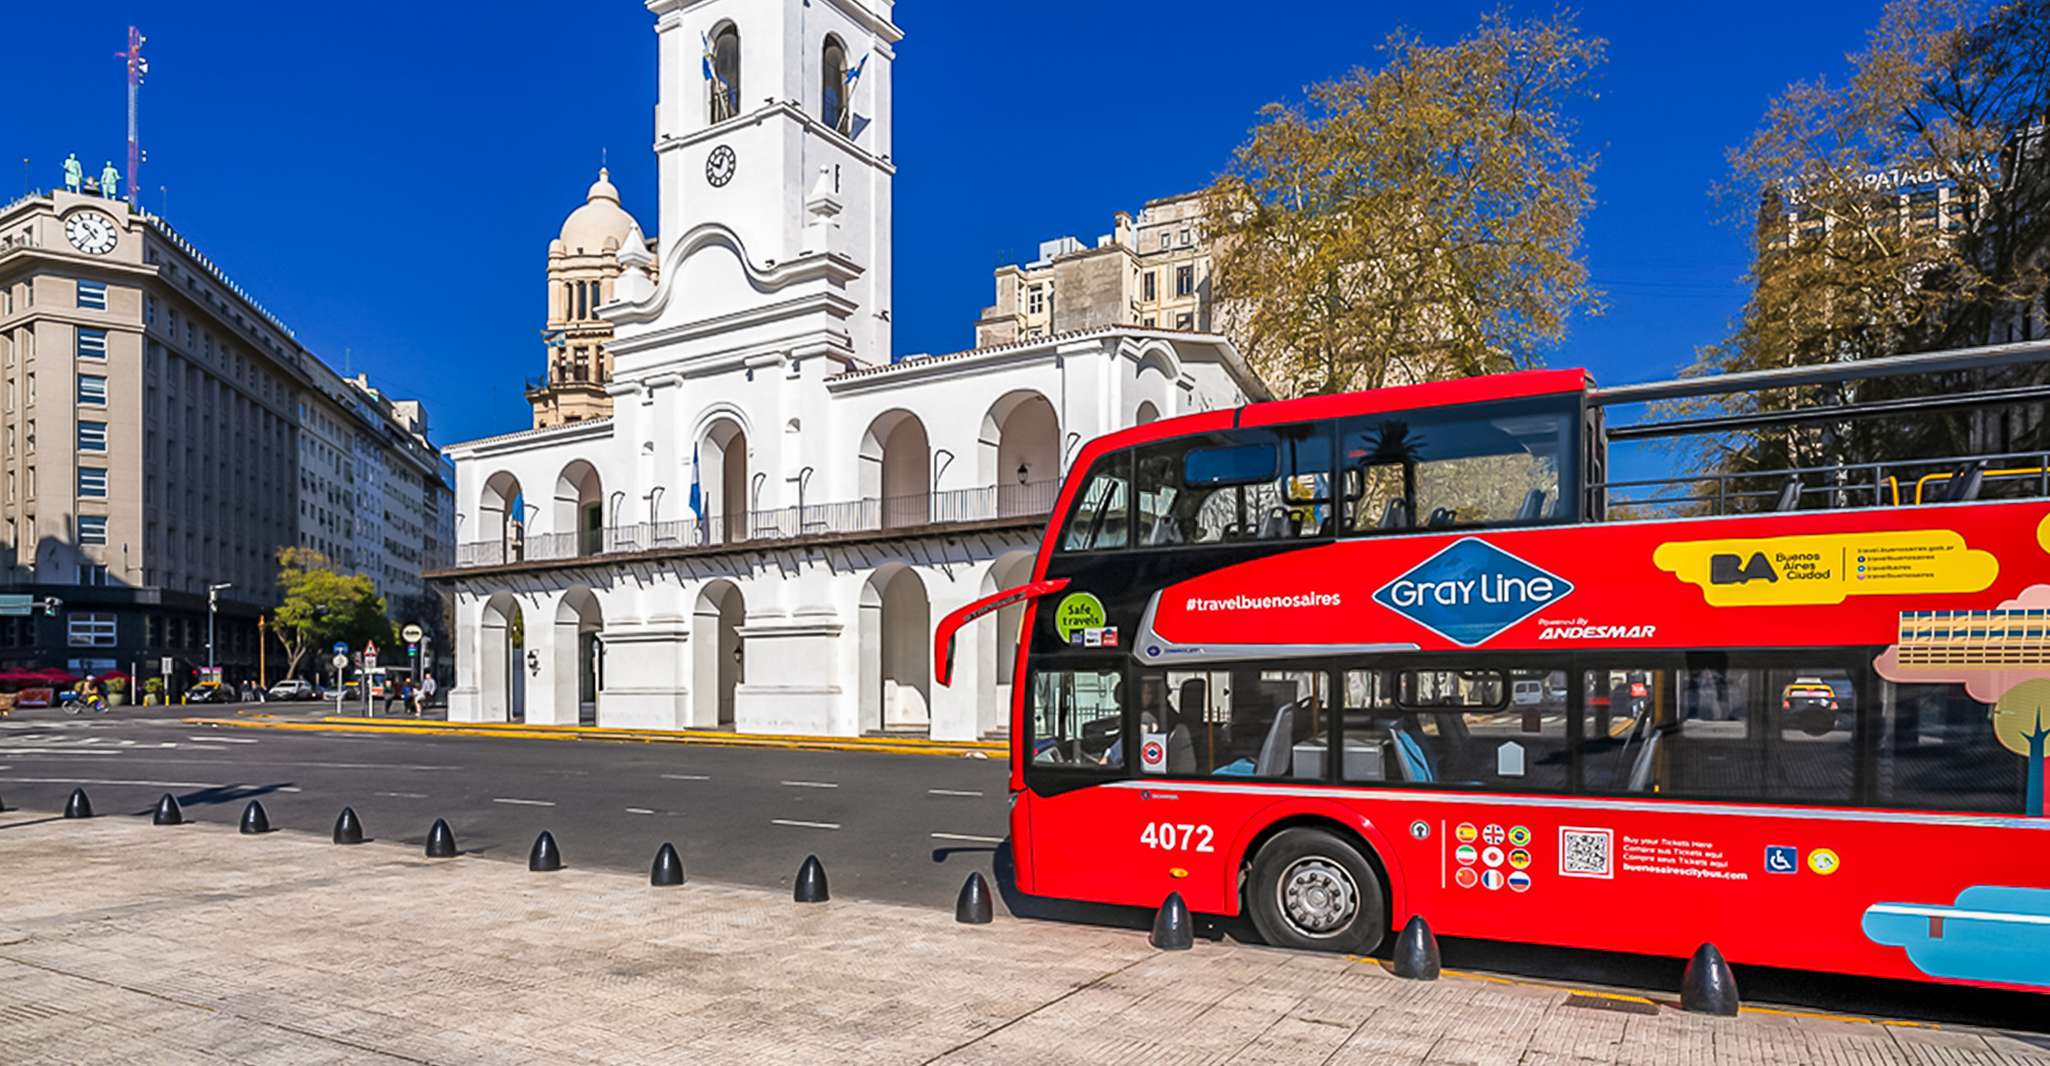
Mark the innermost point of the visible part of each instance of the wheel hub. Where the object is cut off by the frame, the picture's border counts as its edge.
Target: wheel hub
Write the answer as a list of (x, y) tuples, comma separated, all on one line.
[(1318, 896)]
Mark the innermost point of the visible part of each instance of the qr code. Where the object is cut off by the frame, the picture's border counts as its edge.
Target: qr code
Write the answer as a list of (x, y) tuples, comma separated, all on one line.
[(1585, 852)]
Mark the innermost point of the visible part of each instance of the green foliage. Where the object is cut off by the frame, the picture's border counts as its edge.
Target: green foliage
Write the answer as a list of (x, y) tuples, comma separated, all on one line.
[(1414, 222), (321, 606), (153, 685)]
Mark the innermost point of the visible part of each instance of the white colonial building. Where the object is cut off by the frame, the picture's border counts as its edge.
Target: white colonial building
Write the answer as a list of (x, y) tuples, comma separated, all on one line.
[(763, 531)]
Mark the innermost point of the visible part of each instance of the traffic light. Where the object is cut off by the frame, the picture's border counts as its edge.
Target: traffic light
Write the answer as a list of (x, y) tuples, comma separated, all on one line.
[(51, 605)]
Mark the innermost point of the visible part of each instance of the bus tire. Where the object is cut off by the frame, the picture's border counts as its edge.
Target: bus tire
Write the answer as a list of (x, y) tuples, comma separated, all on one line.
[(1313, 891)]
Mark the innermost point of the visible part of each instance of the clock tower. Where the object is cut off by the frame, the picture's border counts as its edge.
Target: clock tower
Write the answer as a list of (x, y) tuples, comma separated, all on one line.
[(772, 134)]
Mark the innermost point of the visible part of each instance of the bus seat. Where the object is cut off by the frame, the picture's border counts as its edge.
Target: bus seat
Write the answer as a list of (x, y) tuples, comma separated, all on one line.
[(1395, 515), (1277, 750), (1640, 771), (1966, 483), (1533, 506), (1790, 495), (1272, 526), (1181, 750), (1165, 531), (1441, 518), (1410, 756)]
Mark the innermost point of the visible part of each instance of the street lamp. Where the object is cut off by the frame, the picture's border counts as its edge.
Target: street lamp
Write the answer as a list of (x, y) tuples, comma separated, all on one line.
[(213, 606)]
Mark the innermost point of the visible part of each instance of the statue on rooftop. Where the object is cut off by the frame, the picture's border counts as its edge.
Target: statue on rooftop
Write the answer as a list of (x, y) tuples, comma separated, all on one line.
[(110, 181), (73, 173)]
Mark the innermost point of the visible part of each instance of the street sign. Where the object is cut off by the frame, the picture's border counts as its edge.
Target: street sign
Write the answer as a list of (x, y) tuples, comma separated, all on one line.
[(412, 633), (340, 660), (17, 604), (341, 647), (167, 664)]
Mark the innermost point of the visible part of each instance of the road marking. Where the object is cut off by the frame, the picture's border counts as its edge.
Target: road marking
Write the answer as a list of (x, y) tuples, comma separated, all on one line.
[(687, 777), (950, 792), (811, 784), (403, 795), (804, 825), (90, 740), (289, 788), (220, 740), (60, 751), (523, 803), (638, 810), (965, 836)]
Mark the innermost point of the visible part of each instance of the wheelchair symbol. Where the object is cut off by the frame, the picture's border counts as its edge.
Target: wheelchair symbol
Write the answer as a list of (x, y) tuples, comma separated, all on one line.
[(1781, 859)]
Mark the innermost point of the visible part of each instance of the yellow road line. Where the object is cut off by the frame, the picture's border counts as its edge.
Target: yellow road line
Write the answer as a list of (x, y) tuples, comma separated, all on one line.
[(1560, 986), (592, 730), (516, 732)]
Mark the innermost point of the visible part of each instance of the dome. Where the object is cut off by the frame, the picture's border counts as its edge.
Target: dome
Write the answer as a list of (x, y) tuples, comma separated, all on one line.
[(600, 225)]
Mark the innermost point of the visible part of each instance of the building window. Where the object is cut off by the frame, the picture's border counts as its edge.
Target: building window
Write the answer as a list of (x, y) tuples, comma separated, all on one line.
[(149, 310), (1185, 237), (1148, 322), (92, 529), (1185, 281), (92, 482), (92, 436), (1163, 242), (724, 82), (1185, 321), (1035, 300), (92, 390), (1149, 285), (90, 630), (92, 344), (836, 109), (92, 574), (92, 295)]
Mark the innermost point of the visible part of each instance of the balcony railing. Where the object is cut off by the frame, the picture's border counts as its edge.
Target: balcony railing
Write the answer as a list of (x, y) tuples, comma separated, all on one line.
[(874, 514)]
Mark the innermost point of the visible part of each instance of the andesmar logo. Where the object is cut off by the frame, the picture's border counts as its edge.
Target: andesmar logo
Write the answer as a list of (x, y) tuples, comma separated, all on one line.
[(1471, 591)]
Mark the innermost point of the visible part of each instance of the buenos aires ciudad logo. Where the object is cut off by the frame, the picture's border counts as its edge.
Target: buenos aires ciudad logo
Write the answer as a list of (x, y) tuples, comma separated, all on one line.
[(1471, 591)]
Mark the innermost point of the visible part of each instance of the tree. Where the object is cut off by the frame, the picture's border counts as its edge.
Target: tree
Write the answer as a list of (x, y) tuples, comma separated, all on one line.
[(1905, 209), (1414, 222), (321, 605)]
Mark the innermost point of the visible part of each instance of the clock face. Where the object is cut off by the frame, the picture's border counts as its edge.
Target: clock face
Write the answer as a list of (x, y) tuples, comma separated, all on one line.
[(719, 166), (91, 232)]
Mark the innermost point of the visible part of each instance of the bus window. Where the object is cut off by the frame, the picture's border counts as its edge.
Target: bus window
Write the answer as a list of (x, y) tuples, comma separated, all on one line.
[(1101, 511), (1813, 753), (1237, 723), (1618, 741), (1939, 751), (1249, 484), (1501, 729), (1077, 721), (1498, 464)]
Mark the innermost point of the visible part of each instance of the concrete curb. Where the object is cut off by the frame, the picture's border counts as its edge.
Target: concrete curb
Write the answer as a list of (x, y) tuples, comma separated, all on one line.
[(508, 731)]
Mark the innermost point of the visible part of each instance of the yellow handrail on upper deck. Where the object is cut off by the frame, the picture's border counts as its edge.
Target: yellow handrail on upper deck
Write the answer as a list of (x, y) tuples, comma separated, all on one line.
[(1947, 475)]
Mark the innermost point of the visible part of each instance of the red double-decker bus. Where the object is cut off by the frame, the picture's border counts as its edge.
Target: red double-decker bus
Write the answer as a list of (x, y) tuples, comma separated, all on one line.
[(1337, 661)]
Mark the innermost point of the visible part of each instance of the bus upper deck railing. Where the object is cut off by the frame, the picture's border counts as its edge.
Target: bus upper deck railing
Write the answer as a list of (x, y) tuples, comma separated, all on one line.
[(1887, 483)]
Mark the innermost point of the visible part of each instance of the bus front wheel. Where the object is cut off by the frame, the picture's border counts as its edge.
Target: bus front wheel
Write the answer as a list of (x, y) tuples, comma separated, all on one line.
[(1311, 890)]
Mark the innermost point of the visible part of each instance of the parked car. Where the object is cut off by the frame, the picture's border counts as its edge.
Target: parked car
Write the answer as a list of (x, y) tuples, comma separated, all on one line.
[(211, 692), (293, 688)]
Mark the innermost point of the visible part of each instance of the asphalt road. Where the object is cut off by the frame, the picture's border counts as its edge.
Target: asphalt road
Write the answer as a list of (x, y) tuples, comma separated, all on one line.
[(896, 828)]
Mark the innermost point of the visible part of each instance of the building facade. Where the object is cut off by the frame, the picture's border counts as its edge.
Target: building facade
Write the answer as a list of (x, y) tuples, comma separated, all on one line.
[(157, 442), (762, 533), (1152, 271), (583, 265)]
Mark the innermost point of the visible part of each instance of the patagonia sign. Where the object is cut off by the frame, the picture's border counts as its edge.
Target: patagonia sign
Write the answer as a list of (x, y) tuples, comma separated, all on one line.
[(1471, 591)]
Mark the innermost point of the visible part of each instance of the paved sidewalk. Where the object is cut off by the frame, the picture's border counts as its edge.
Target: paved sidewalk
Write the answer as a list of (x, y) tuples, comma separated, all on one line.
[(121, 942)]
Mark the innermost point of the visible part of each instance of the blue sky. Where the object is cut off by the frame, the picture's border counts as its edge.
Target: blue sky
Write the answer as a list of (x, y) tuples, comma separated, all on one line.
[(386, 176)]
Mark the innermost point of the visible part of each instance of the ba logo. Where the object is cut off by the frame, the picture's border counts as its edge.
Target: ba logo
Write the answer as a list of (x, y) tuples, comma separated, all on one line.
[(1471, 591), (1725, 569)]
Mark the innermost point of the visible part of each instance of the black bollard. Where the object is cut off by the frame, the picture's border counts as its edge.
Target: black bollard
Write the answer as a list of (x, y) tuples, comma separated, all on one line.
[(441, 843), (668, 868), (972, 906), (1416, 951), (544, 857), (168, 812), (79, 805), (347, 829), (254, 819), (1708, 986), (1172, 928), (811, 882)]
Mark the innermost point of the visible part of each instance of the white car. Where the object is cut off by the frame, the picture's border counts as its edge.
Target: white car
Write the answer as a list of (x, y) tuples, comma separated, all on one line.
[(293, 689)]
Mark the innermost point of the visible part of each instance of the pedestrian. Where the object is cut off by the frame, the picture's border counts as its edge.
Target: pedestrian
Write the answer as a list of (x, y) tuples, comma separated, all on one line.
[(426, 693), (391, 692)]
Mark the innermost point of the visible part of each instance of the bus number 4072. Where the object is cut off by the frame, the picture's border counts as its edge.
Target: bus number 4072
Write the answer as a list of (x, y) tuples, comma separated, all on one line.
[(1168, 836)]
